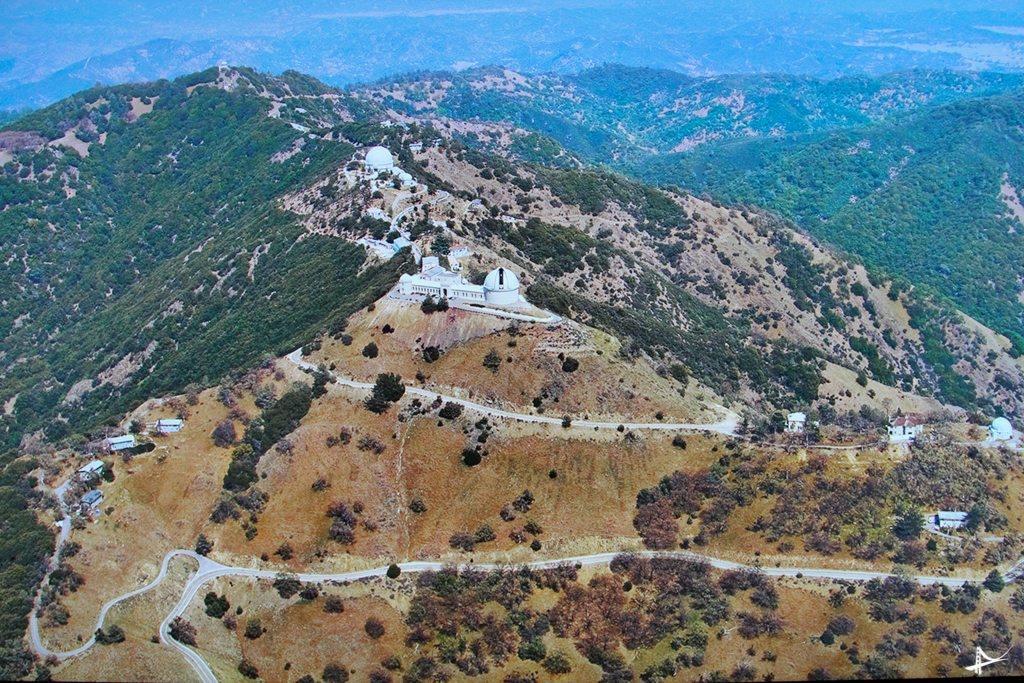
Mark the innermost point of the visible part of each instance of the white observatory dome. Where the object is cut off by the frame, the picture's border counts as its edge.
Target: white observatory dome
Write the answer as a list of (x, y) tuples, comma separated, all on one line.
[(501, 280), (379, 159), (1001, 429)]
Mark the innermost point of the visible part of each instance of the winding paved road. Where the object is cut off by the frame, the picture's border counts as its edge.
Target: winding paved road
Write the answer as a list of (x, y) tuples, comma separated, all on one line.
[(210, 570), (727, 427)]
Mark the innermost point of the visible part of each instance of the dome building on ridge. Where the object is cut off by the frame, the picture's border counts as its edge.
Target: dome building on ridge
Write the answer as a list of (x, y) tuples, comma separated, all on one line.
[(379, 159), (500, 288), (1000, 430)]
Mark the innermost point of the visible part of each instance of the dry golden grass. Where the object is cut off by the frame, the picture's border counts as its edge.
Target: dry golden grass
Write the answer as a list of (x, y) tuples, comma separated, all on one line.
[(604, 387), (132, 660)]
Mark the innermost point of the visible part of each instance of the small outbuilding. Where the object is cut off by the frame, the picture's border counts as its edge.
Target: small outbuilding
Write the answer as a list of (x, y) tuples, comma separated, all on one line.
[(167, 426), (92, 500), (906, 428), (1000, 430), (91, 471), (119, 443), (796, 422), (950, 519)]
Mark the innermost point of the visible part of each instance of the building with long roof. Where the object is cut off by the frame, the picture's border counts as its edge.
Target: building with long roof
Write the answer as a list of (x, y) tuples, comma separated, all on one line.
[(501, 286)]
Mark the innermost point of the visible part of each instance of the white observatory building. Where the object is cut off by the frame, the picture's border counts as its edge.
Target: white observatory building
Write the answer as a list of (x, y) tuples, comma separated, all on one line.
[(500, 288), (379, 159)]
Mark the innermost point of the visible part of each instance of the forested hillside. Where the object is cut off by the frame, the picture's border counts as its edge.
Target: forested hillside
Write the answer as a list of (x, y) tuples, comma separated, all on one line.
[(158, 252), (920, 198), (905, 171), (147, 247)]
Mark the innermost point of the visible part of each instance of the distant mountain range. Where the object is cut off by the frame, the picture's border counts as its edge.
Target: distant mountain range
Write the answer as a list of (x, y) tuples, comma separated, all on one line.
[(915, 172), (55, 51)]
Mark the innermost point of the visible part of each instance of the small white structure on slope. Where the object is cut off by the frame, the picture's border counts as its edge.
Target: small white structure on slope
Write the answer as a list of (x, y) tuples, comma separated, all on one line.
[(379, 159), (501, 287), (947, 519), (91, 471), (119, 443), (796, 422), (905, 428), (92, 500), (167, 426), (1000, 430)]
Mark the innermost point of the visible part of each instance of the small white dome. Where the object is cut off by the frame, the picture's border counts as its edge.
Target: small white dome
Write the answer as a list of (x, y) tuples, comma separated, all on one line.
[(379, 159), (1002, 425), (405, 277), (501, 280)]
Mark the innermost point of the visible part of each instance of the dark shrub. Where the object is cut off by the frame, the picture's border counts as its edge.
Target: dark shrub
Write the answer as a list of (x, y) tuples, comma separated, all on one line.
[(248, 669), (374, 628), (335, 673)]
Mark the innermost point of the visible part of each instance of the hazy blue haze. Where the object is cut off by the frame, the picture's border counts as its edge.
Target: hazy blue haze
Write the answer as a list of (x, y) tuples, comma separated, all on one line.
[(51, 49)]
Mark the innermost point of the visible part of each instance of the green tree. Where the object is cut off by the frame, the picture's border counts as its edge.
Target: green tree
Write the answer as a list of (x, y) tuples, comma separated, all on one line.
[(533, 650), (994, 581), (389, 387), (441, 245), (370, 350), (557, 664), (976, 516), (428, 305), (910, 524)]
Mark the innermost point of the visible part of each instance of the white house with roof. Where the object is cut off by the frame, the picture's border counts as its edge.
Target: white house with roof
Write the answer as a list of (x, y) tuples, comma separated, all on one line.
[(905, 428), (167, 426), (91, 471), (501, 286), (91, 501), (1000, 430), (950, 519), (119, 443), (796, 422)]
